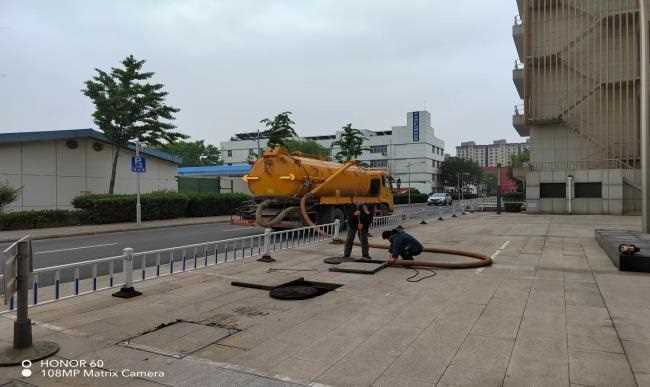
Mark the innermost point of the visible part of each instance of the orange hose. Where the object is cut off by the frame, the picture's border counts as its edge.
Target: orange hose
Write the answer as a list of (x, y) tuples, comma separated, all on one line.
[(480, 260)]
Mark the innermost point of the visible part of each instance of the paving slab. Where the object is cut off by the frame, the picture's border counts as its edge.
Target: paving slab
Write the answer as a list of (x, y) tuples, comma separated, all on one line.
[(552, 310)]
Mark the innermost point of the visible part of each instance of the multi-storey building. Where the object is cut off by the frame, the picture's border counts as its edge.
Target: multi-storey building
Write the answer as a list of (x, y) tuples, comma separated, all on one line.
[(411, 153), (578, 74), (488, 156)]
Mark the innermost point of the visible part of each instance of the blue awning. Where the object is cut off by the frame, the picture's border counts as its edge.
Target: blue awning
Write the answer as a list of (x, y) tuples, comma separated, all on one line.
[(234, 170)]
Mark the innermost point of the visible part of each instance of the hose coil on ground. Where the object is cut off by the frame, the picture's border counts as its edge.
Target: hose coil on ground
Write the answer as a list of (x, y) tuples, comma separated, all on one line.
[(480, 260)]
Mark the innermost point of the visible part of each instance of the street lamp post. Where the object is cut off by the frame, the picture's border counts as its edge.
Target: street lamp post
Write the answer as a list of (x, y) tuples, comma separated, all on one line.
[(409, 165)]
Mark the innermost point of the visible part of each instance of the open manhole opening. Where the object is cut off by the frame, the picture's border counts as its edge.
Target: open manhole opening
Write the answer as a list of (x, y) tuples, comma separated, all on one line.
[(302, 290), (299, 289), (178, 339)]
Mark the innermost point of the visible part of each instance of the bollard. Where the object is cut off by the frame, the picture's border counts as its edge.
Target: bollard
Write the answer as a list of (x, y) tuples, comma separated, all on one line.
[(266, 255), (127, 290), (440, 218), (24, 349), (423, 217)]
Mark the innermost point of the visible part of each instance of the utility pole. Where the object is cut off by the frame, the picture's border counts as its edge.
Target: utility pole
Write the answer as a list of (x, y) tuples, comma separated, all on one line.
[(645, 131), (259, 149)]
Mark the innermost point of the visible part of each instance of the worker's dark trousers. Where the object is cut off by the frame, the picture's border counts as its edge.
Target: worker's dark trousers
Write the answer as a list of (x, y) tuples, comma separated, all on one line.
[(363, 237), (408, 252)]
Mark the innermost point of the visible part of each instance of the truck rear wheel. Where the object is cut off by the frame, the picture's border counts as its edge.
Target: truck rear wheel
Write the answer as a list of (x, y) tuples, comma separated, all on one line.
[(330, 214)]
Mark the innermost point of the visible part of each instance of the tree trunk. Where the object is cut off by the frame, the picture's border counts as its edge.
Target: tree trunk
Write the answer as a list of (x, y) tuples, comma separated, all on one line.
[(111, 186)]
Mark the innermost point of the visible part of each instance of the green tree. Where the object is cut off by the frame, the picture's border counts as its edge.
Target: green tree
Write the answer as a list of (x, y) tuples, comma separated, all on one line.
[(128, 108), (309, 147), (194, 153), (8, 194), (279, 129), (350, 143), (489, 181), (453, 167)]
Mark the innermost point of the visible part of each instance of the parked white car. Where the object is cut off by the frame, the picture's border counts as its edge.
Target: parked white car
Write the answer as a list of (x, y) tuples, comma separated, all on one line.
[(439, 199)]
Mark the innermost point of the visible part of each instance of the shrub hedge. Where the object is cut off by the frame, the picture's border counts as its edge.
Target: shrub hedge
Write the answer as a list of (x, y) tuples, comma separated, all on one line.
[(207, 204), (416, 197), (21, 220), (512, 207), (104, 209), (514, 197)]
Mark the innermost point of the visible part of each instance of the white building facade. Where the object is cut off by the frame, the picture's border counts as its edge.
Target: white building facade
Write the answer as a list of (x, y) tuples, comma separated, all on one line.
[(52, 168), (489, 155), (411, 153)]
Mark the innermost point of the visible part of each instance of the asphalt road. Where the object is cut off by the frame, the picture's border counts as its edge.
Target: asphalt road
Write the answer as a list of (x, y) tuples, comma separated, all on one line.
[(58, 251)]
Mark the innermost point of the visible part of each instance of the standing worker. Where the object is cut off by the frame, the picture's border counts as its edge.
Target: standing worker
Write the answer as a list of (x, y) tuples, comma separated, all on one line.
[(359, 221), (402, 244)]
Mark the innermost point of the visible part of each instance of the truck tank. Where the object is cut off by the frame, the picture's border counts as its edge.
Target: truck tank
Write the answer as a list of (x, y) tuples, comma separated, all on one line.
[(281, 180)]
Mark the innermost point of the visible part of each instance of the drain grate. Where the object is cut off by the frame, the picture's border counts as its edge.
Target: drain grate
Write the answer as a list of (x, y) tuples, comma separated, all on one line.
[(178, 339)]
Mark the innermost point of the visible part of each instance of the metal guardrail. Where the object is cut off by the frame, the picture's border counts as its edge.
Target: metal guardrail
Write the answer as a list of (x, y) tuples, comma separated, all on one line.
[(128, 268)]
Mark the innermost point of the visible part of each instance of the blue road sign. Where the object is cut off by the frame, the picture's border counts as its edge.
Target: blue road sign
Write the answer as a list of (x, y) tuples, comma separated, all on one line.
[(138, 164)]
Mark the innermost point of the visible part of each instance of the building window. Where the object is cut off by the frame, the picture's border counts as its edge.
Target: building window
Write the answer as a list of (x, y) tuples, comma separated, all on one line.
[(589, 190), (552, 190), (378, 163), (383, 149), (251, 151), (229, 152)]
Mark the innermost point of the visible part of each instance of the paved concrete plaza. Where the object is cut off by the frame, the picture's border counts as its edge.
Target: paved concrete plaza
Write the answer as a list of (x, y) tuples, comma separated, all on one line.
[(551, 311)]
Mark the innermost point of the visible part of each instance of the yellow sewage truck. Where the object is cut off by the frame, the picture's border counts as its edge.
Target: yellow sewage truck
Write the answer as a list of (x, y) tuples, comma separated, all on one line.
[(297, 189)]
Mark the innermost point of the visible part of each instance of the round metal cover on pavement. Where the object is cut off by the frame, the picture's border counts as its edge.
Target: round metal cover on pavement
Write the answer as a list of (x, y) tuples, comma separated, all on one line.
[(295, 292)]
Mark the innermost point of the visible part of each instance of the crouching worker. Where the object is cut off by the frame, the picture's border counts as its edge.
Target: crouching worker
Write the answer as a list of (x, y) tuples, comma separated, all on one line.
[(402, 245), (358, 222)]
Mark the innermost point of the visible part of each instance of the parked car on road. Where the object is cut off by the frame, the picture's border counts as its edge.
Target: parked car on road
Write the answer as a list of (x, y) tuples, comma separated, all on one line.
[(439, 199)]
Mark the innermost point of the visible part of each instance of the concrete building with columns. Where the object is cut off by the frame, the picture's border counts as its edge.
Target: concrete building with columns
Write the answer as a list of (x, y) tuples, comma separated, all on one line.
[(578, 74), (411, 152), (53, 167)]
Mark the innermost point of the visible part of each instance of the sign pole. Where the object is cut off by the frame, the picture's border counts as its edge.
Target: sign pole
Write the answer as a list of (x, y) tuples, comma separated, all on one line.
[(138, 205)]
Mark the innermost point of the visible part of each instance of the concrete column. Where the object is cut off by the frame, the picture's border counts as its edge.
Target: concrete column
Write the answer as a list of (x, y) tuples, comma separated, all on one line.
[(645, 131)]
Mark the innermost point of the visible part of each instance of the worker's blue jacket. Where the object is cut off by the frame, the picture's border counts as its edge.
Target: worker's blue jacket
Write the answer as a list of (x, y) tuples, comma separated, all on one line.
[(400, 241)]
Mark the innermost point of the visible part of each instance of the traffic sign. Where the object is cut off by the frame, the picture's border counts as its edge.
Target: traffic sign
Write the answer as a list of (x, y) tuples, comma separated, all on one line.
[(138, 164)]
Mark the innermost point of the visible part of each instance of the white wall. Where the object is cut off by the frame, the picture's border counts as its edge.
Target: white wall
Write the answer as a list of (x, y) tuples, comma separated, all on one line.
[(52, 174)]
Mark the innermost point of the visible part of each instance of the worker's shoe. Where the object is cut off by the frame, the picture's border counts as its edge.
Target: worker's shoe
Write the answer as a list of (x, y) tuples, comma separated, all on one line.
[(366, 258)]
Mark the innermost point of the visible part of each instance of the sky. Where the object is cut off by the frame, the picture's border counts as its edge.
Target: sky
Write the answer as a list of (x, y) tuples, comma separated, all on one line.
[(228, 64)]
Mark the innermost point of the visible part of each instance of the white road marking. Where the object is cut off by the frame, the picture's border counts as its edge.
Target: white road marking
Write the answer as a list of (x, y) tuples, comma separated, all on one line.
[(493, 256), (74, 248)]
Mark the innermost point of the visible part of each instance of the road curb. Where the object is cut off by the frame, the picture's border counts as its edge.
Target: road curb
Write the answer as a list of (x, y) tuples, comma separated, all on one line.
[(137, 228)]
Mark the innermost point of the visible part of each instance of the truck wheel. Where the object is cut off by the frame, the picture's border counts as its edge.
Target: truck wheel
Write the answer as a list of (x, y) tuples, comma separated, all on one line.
[(330, 214), (383, 210)]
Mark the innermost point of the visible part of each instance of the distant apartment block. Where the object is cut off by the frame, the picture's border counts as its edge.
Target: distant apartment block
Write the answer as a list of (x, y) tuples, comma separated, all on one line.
[(488, 156), (578, 74), (409, 153)]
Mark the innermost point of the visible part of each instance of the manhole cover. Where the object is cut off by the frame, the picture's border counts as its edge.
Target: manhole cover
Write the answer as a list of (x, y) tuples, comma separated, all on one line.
[(178, 339), (295, 292)]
